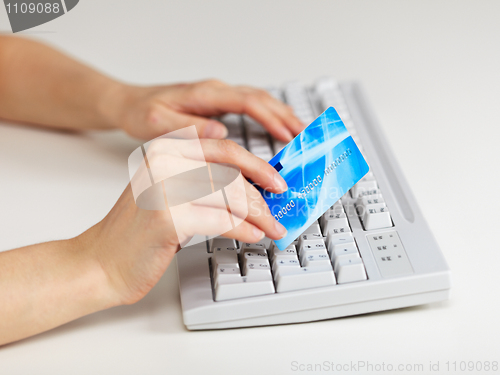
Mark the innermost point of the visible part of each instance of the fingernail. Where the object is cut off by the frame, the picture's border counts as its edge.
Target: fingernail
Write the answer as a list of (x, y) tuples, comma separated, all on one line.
[(280, 229), (258, 233), (280, 182), (214, 129)]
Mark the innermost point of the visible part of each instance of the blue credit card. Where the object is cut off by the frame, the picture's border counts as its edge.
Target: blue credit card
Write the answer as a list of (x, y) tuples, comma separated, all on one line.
[(319, 165)]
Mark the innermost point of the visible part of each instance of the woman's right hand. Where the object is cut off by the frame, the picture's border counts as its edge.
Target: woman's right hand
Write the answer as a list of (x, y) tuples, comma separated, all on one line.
[(135, 246)]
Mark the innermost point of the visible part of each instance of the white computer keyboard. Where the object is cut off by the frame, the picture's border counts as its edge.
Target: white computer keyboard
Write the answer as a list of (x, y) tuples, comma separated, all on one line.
[(370, 251)]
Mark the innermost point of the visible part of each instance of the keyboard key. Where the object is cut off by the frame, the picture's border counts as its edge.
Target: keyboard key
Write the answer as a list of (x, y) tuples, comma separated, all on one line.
[(221, 242), (308, 237), (267, 242), (311, 254), (346, 197), (294, 278), (340, 249), (314, 228), (370, 199), (245, 286), (365, 193), (344, 258), (316, 260), (254, 246), (282, 265), (258, 268), (311, 245), (334, 212), (289, 253), (253, 256), (223, 271), (349, 270), (225, 256), (340, 230), (368, 176), (337, 225), (337, 207), (226, 274), (330, 215), (285, 262), (229, 283), (333, 239), (363, 186), (376, 216)]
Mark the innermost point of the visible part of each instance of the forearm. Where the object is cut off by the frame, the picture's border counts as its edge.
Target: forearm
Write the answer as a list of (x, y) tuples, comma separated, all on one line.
[(42, 86), (46, 285)]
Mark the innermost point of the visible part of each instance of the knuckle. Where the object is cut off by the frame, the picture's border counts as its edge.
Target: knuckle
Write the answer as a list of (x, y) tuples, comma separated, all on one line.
[(262, 94), (250, 101), (152, 113), (228, 147)]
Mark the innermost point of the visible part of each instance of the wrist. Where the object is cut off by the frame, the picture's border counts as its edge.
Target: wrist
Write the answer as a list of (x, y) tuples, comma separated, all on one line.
[(95, 284), (112, 103)]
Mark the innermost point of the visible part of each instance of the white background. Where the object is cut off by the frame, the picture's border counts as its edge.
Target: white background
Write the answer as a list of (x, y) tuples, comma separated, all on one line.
[(431, 72)]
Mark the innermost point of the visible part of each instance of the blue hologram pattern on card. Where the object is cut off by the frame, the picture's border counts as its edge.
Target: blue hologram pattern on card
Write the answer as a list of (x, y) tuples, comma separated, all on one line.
[(319, 165)]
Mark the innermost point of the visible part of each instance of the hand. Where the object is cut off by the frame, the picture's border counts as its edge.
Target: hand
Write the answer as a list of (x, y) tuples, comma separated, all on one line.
[(134, 246), (149, 112)]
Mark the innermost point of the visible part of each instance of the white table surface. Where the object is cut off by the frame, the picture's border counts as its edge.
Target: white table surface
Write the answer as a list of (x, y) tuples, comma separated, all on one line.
[(431, 72)]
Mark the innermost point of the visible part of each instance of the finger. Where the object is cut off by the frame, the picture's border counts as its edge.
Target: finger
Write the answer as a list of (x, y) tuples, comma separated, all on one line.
[(245, 205), (193, 220), (256, 212), (257, 104), (215, 98), (245, 232), (260, 172), (283, 113), (286, 114), (260, 112), (166, 120), (260, 215)]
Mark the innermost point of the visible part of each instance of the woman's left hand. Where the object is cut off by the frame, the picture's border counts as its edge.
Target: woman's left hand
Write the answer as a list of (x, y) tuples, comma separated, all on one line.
[(149, 112)]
